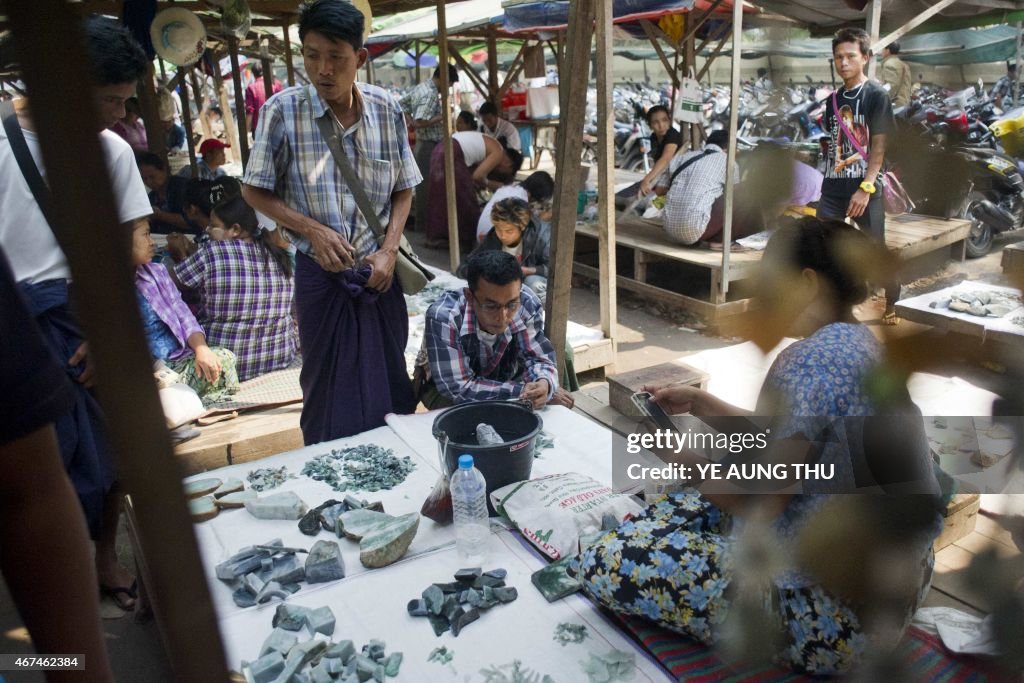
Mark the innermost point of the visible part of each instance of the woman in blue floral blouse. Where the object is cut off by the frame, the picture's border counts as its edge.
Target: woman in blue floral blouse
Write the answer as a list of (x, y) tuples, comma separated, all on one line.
[(687, 560)]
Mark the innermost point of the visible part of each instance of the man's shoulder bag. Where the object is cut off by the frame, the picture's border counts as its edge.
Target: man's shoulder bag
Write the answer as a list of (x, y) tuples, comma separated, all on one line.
[(412, 274)]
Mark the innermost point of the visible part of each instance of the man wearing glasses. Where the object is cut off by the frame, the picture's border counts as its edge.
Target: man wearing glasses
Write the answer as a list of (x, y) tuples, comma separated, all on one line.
[(486, 342)]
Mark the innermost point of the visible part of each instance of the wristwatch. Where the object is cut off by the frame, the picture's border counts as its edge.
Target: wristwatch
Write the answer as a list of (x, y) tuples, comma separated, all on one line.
[(868, 187)]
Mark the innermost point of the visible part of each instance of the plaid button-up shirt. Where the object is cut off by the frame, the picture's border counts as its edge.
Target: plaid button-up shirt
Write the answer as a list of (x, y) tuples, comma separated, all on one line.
[(291, 158), (465, 368), (424, 103), (693, 192), (246, 303)]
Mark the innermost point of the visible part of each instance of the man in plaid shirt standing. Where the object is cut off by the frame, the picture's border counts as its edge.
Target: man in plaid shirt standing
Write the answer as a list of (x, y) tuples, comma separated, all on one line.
[(422, 106), (353, 322)]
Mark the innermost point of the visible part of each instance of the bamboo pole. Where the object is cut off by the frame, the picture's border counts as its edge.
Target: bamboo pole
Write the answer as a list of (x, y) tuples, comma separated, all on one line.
[(226, 115), (492, 68), (156, 136), (202, 103), (874, 25)]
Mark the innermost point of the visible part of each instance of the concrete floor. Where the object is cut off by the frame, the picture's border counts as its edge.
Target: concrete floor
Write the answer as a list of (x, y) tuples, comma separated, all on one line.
[(647, 336)]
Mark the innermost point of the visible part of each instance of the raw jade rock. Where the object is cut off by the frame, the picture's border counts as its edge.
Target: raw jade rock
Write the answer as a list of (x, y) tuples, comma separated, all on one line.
[(229, 486), (272, 590), (320, 620), (243, 598), (324, 563), (343, 650), (329, 516), (279, 641), (290, 617), (355, 524), (267, 668), (201, 487), (468, 575), (237, 499), (387, 544), (283, 505), (287, 569), (393, 664), (321, 673)]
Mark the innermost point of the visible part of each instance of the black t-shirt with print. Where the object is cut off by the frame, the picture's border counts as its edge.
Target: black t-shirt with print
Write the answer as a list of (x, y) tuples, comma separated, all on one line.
[(867, 111)]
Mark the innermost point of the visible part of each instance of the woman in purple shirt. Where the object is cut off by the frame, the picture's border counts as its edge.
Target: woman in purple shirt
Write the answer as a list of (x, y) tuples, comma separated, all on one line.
[(172, 332)]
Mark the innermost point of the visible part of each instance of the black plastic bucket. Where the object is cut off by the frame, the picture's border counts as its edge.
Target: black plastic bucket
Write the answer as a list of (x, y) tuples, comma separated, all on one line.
[(501, 464)]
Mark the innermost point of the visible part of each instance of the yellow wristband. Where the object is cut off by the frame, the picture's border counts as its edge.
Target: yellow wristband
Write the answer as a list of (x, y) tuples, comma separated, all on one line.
[(868, 187)]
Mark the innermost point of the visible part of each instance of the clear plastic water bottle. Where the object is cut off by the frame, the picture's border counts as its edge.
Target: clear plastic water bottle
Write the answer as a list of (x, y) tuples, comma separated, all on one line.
[(469, 500)]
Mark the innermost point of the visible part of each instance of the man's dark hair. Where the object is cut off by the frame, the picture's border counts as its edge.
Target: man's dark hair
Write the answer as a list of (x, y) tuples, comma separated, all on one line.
[(488, 109), (453, 74), (115, 57), (257, 70), (468, 118), (719, 137), (893, 47), (197, 194), (762, 72), (539, 186), (853, 35), (150, 159), (492, 265), (339, 20), (1011, 66)]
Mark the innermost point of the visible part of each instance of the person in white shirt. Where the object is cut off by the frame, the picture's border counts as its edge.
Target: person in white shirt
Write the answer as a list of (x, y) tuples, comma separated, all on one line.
[(498, 128)]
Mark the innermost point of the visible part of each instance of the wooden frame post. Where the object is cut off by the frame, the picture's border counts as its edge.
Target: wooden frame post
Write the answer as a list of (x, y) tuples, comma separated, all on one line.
[(1016, 81), (186, 118), (199, 91), (606, 179), (573, 102), (156, 137), (236, 77), (288, 59), (730, 179), (449, 151), (492, 68), (873, 27), (54, 65), (268, 68), (225, 111)]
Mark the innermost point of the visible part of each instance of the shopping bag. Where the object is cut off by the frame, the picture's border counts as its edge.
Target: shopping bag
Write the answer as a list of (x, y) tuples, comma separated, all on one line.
[(689, 101)]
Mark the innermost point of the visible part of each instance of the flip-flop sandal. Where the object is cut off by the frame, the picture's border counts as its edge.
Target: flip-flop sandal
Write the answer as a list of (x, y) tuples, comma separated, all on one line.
[(891, 319), (115, 593)]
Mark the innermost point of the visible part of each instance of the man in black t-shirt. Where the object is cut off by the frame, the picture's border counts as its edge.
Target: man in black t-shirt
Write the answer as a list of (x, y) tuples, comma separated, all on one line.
[(857, 134)]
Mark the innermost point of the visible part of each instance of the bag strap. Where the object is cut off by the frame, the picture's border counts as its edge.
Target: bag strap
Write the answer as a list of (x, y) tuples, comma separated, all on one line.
[(842, 127), (26, 163), (688, 163), (355, 186)]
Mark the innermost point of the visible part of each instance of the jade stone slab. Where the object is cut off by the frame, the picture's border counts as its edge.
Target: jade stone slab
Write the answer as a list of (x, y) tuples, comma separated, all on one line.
[(388, 543), (201, 487), (284, 505)]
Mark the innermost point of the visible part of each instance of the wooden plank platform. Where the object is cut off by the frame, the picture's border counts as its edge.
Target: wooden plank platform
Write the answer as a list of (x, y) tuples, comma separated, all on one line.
[(250, 436), (1013, 258), (909, 236)]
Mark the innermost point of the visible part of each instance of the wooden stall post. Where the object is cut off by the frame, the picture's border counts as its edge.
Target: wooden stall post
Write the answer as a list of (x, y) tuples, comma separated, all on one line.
[(202, 103), (492, 68), (449, 150), (606, 179), (737, 51), (288, 53), (51, 52), (225, 112), (268, 68), (1016, 81), (578, 40), (874, 24), (186, 118), (236, 76), (155, 134)]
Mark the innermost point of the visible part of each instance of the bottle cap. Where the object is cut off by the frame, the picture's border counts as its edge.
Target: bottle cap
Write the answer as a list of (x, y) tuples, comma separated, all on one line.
[(465, 461)]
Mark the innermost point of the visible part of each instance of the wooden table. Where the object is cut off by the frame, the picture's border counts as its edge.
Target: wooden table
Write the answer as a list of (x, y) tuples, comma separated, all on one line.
[(916, 309)]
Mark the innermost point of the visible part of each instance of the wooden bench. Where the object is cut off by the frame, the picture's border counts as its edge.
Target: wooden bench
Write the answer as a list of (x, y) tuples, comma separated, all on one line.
[(1013, 259), (909, 236)]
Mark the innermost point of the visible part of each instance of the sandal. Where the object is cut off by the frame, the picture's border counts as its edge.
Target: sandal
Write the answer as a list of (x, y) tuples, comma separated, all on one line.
[(123, 597), (890, 318)]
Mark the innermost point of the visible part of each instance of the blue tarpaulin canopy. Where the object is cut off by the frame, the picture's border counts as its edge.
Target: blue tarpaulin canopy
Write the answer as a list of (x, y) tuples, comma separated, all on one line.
[(540, 16)]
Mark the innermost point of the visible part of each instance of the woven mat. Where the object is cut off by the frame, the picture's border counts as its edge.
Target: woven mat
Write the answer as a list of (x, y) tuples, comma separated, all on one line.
[(272, 389), (923, 656)]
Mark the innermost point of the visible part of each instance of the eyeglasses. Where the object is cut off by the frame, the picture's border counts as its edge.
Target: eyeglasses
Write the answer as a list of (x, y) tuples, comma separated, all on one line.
[(492, 307)]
